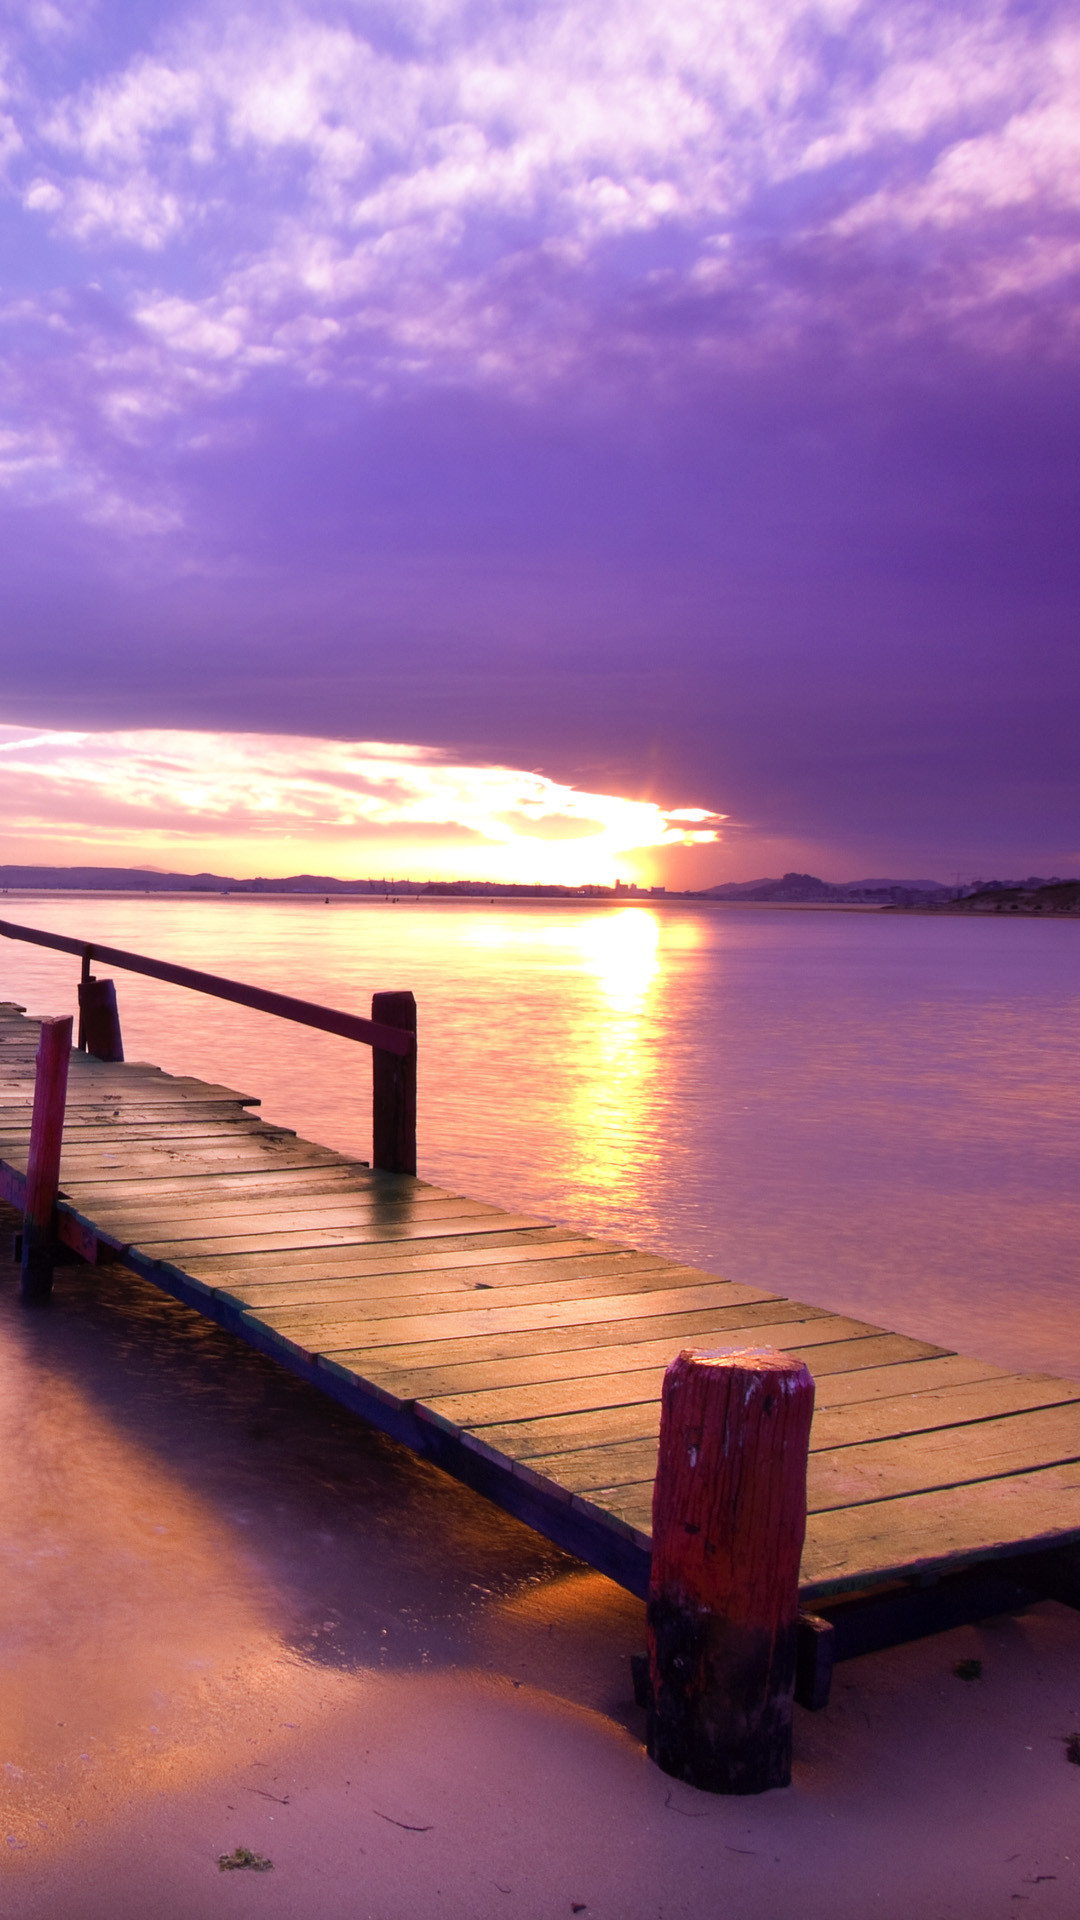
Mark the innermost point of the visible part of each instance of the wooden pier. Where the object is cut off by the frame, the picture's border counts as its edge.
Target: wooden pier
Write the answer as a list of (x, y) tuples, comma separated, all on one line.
[(526, 1359)]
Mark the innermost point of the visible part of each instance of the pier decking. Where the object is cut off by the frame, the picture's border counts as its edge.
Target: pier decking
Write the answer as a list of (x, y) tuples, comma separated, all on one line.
[(526, 1358)]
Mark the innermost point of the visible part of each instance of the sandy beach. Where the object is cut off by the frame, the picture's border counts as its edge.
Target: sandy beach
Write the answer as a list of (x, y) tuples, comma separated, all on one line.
[(235, 1617)]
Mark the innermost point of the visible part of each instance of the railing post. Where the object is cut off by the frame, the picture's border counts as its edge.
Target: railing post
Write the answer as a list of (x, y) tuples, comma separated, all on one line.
[(729, 1519), (43, 1165), (99, 1019), (84, 978), (393, 1083)]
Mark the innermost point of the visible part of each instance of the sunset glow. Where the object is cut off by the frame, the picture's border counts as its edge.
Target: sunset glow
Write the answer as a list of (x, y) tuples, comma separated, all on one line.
[(274, 804)]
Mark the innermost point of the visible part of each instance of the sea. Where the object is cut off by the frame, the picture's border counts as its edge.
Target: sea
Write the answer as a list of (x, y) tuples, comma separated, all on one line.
[(874, 1112)]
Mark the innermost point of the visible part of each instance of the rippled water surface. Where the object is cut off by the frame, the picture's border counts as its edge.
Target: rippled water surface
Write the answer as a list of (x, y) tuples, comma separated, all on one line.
[(872, 1112)]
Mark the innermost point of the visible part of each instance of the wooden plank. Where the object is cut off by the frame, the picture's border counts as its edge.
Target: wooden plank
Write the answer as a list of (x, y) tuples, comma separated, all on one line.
[(639, 1419), (935, 1369), (372, 1297), (447, 1280), (956, 1391), (930, 1532), (138, 1095), (590, 1347), (233, 1275), (209, 1222), (584, 1456), (252, 1152), (212, 1269), (113, 1138), (919, 1464), (892, 1415), (226, 1139), (621, 1431), (364, 1194), (88, 1122), (235, 1271), (118, 1086), (127, 1101), (163, 1186), (350, 1227), (953, 1456), (231, 1124), (175, 1251), (225, 1149), (268, 1196), (95, 1078), (445, 1275), (652, 1312), (482, 1393)]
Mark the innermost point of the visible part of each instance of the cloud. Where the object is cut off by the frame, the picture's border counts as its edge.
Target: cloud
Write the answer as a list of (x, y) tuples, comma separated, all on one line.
[(461, 194), (277, 804)]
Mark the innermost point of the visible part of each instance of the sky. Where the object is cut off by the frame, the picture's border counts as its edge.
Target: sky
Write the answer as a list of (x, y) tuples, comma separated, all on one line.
[(542, 441)]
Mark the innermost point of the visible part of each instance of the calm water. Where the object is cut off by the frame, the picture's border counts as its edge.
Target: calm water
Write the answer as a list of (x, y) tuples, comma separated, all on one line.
[(875, 1113)]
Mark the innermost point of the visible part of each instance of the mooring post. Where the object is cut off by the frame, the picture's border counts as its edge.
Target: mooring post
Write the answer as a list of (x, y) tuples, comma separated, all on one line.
[(43, 1165), (99, 1019), (393, 1080), (729, 1519)]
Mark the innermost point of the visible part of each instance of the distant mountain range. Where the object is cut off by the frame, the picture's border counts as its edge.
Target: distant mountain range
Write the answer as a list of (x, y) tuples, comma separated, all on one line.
[(150, 880), (793, 889)]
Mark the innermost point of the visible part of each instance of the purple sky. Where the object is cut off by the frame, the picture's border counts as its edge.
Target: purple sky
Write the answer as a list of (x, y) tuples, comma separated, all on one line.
[(681, 402)]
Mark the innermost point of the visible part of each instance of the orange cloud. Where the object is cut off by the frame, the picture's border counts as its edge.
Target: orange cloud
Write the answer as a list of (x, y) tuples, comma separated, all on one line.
[(274, 804)]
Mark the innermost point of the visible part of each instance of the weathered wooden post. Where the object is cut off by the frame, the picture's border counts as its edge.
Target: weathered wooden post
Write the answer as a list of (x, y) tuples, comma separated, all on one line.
[(43, 1165), (729, 1518), (85, 975), (99, 1019), (393, 1077)]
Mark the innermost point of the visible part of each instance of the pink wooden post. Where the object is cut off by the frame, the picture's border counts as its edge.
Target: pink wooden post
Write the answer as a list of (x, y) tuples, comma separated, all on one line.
[(729, 1518), (43, 1165), (393, 1081)]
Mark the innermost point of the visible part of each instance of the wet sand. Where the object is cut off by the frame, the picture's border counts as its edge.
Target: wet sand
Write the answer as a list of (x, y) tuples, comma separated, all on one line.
[(234, 1616)]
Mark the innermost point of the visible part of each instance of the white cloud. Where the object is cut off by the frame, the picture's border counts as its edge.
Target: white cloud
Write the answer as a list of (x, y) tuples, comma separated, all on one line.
[(468, 194), (272, 804)]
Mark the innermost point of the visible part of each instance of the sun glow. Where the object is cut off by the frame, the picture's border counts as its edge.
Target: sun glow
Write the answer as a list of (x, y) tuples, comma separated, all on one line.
[(277, 804)]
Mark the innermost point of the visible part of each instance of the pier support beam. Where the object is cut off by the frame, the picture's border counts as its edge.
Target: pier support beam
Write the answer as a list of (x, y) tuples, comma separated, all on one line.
[(43, 1165), (729, 1518), (393, 1079)]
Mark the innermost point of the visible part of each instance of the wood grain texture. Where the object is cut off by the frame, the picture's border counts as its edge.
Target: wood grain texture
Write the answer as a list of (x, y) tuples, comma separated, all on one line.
[(498, 1399), (375, 1296), (618, 1372), (584, 1460), (728, 1523), (43, 1157)]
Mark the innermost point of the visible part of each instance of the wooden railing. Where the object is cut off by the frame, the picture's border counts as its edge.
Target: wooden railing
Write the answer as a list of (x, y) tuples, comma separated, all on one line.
[(390, 1033)]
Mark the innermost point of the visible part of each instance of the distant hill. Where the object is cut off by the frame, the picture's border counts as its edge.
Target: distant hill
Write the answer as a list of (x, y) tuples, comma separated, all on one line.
[(151, 880), (118, 879), (1039, 896), (793, 889), (806, 887)]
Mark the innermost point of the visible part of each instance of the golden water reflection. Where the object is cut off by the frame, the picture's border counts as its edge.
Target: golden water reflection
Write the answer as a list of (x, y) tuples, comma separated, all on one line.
[(620, 950), (877, 1113)]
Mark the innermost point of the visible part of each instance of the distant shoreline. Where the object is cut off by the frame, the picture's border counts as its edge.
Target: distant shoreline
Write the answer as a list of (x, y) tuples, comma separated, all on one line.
[(534, 897)]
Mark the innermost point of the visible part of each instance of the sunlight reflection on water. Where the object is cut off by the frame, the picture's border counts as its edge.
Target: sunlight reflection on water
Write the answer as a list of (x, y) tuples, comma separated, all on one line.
[(877, 1113)]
